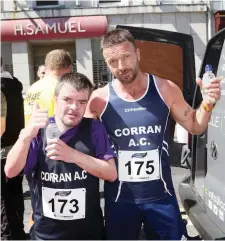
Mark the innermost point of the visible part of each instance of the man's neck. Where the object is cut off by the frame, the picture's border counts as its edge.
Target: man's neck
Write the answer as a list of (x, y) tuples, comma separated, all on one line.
[(51, 75)]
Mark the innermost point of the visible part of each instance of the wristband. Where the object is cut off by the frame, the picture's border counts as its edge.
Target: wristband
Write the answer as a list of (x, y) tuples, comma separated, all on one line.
[(208, 108)]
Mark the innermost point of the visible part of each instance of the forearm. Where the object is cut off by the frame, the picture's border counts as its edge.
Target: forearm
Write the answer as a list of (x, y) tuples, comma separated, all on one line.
[(105, 170), (16, 159), (201, 119)]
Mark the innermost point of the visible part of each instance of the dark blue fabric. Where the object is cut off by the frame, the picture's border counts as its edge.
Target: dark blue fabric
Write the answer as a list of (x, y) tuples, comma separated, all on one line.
[(161, 220), (147, 112), (91, 227)]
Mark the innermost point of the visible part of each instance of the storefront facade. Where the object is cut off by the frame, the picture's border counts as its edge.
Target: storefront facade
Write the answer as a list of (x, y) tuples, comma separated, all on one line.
[(31, 39), (30, 32)]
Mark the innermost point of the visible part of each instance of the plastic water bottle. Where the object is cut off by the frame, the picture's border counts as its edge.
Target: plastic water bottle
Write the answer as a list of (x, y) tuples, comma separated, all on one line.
[(207, 76), (51, 132)]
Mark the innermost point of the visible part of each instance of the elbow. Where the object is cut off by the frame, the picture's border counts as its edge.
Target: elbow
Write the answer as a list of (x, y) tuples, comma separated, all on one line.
[(113, 176), (9, 172), (195, 131)]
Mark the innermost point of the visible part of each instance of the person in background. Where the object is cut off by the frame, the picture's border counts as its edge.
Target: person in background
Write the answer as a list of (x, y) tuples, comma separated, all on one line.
[(5, 230), (57, 62), (41, 71), (12, 201)]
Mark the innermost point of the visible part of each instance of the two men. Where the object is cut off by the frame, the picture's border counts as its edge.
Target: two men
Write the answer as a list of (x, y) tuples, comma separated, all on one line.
[(66, 172), (135, 109)]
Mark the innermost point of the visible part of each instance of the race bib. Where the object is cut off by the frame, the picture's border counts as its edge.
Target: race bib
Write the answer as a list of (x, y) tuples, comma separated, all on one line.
[(138, 166), (64, 204)]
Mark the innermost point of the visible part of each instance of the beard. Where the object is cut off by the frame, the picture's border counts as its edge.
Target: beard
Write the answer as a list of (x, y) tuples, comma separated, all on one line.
[(127, 76)]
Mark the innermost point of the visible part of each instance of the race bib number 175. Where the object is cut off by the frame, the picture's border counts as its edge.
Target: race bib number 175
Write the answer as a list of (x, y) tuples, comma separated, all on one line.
[(138, 166)]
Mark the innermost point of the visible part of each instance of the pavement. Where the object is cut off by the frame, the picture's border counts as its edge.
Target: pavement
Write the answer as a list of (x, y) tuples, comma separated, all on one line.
[(177, 174)]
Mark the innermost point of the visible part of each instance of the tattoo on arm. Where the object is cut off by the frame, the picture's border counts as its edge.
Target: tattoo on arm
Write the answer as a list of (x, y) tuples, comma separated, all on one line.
[(187, 111), (196, 114)]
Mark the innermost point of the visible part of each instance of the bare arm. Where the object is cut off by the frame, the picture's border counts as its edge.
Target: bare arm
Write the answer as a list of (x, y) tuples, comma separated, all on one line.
[(105, 170), (97, 103), (58, 150), (17, 156), (194, 121)]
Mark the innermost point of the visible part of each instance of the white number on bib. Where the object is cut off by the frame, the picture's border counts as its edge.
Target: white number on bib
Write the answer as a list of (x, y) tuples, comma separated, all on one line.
[(64, 204), (139, 166)]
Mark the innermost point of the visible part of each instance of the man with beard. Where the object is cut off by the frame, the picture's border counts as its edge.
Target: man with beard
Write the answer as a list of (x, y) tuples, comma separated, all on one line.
[(135, 108), (66, 172)]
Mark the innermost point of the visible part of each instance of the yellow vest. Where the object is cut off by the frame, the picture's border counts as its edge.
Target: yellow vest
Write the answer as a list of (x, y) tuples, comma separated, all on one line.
[(42, 93)]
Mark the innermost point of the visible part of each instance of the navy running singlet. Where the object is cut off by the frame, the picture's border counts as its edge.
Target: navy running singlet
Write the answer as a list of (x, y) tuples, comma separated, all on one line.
[(66, 198), (139, 132)]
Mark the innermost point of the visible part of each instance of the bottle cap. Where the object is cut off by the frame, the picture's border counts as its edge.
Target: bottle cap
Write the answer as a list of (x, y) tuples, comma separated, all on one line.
[(208, 67)]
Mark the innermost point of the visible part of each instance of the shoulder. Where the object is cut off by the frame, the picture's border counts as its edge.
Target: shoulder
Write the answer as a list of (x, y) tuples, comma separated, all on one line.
[(168, 89), (100, 94), (34, 87), (98, 101)]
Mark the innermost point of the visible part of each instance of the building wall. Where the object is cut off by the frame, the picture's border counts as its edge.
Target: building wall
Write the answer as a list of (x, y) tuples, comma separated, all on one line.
[(186, 16), (6, 53)]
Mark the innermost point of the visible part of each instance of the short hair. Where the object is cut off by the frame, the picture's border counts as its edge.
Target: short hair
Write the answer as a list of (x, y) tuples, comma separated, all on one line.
[(58, 59), (42, 65), (77, 80), (116, 36)]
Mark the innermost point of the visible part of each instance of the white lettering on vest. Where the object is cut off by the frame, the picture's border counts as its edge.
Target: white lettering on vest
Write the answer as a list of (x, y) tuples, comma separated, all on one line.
[(84, 174), (53, 177), (138, 130)]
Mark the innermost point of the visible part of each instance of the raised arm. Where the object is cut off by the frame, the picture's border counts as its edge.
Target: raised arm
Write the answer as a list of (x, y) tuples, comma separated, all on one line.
[(17, 157), (194, 121)]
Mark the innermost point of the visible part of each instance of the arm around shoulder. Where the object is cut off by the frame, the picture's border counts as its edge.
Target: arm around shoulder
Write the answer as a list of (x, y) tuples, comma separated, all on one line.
[(97, 103)]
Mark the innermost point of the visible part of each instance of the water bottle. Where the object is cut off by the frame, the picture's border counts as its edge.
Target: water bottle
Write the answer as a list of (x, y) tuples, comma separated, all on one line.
[(207, 76), (51, 132)]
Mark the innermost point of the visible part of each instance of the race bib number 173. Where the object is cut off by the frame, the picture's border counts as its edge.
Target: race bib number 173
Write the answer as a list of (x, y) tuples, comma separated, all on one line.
[(138, 166), (64, 204)]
